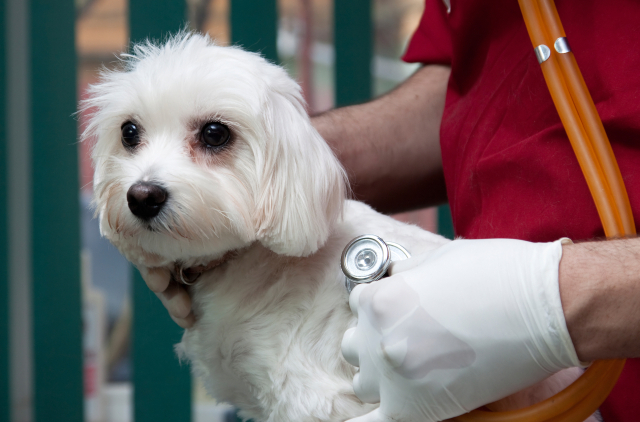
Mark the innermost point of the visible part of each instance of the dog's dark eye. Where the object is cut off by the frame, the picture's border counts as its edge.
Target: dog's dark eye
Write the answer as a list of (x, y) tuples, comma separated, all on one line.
[(130, 135), (215, 134)]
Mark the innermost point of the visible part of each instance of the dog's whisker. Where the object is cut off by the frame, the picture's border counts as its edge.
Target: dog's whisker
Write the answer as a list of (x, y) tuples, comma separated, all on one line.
[(172, 229), (226, 217), (109, 220), (118, 227), (180, 233), (197, 191), (188, 227)]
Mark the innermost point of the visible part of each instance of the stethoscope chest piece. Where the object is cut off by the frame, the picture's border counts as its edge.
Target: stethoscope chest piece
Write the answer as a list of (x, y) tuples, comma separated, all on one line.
[(367, 258)]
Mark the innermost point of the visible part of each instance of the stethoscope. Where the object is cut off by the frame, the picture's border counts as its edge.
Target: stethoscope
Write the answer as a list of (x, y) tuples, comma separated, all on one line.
[(367, 258)]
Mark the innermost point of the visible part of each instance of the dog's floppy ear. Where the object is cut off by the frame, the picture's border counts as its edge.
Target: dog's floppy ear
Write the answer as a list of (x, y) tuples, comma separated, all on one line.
[(302, 186)]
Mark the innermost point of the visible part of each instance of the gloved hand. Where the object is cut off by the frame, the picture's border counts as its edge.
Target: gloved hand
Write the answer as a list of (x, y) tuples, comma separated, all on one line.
[(173, 295), (457, 328)]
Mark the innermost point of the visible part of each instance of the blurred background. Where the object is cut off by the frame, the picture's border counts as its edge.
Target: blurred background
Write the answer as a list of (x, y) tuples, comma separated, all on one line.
[(81, 338)]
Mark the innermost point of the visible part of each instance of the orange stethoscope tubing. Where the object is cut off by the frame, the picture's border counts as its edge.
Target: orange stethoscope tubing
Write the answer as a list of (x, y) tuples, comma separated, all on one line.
[(595, 156)]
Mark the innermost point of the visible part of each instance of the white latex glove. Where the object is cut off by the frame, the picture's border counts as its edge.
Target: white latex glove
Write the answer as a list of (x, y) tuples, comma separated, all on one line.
[(457, 328)]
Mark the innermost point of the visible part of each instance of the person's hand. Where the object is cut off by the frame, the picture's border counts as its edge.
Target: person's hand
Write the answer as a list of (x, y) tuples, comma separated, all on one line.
[(173, 295), (457, 328)]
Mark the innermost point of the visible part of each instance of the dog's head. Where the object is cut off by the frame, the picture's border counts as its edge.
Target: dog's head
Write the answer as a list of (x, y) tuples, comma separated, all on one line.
[(202, 149)]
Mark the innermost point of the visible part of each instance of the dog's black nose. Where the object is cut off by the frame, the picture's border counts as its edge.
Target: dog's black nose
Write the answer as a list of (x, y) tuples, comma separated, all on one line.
[(146, 199)]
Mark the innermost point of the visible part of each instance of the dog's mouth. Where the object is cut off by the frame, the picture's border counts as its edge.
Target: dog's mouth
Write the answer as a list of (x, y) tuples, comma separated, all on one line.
[(165, 225), (160, 225)]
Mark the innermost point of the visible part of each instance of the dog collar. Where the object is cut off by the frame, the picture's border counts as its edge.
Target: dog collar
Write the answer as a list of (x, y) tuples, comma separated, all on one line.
[(189, 276)]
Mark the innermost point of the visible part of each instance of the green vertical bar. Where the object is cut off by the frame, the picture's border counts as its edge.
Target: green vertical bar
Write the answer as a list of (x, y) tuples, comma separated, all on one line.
[(162, 386), (57, 320), (445, 222), (5, 414), (254, 26), (353, 40)]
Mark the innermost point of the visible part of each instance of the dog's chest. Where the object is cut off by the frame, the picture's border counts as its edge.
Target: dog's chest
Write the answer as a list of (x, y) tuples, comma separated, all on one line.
[(271, 331)]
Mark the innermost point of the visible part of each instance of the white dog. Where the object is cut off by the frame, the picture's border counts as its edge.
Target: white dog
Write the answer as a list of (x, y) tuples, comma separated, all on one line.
[(205, 159)]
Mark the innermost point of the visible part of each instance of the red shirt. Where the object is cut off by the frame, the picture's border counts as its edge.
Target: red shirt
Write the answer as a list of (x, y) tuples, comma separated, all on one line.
[(509, 167)]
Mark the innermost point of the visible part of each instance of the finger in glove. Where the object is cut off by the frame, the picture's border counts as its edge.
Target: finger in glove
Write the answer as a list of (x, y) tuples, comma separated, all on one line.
[(397, 267), (373, 416), (366, 388), (350, 347)]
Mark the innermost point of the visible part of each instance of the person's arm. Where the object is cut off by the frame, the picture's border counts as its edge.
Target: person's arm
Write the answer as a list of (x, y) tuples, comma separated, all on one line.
[(600, 293), (390, 146)]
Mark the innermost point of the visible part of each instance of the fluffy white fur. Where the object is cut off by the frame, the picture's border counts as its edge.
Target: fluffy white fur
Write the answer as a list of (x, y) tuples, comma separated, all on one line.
[(270, 321)]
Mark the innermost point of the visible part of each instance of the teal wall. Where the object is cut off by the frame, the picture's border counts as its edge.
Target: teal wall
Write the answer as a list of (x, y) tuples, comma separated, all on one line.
[(445, 223), (254, 26), (353, 40)]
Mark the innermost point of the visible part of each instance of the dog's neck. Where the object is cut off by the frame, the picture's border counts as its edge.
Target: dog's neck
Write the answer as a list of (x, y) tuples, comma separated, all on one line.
[(190, 275)]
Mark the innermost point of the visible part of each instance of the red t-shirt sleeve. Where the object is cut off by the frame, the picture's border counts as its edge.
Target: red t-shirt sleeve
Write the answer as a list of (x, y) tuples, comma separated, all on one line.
[(431, 43)]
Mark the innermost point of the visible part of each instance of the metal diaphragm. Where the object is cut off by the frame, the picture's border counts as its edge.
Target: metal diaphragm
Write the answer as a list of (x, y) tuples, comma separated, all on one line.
[(367, 258)]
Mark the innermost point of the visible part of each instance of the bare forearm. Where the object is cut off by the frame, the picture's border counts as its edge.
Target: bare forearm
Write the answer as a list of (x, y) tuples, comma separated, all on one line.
[(391, 146), (600, 291)]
